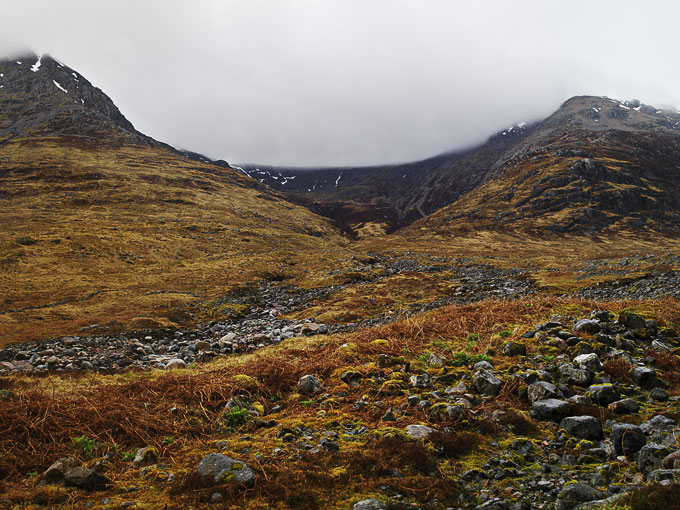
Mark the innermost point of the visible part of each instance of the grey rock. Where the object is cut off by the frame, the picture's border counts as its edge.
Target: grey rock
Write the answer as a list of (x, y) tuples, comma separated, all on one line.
[(175, 363), (308, 384), (541, 390), (419, 431), (86, 479), (146, 455), (514, 349), (369, 504), (644, 377), (573, 375), (55, 473), (603, 394), (625, 406), (574, 494), (421, 381), (436, 360), (483, 365), (650, 457), (658, 394), (588, 362), (486, 383), (658, 422), (351, 378), (551, 409), (583, 427), (632, 320), (217, 469), (661, 475), (588, 326), (627, 438)]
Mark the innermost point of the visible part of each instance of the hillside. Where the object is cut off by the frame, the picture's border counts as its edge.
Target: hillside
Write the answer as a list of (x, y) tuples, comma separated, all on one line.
[(105, 227), (611, 161)]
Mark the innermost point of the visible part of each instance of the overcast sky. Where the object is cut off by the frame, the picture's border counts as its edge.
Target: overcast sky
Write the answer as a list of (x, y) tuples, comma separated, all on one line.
[(346, 82)]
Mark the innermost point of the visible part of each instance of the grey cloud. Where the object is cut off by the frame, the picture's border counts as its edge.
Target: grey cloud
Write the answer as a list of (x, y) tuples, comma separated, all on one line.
[(350, 81)]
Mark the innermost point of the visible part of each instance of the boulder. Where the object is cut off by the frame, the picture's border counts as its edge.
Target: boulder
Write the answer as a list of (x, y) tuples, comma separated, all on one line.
[(651, 457), (603, 394), (625, 406), (514, 349), (632, 320), (583, 427), (644, 377), (657, 423), (308, 384), (486, 383), (627, 438), (550, 409), (588, 362), (217, 469), (573, 375), (573, 494), (175, 363), (146, 455), (587, 326), (541, 390), (419, 431), (86, 479)]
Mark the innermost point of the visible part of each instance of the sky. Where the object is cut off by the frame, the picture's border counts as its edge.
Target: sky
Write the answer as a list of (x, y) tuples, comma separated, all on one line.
[(350, 82)]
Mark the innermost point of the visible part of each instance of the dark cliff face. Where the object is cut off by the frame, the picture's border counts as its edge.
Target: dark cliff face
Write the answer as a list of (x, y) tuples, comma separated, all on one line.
[(40, 95)]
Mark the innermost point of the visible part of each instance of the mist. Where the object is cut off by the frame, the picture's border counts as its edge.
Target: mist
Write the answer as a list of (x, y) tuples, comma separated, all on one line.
[(322, 83)]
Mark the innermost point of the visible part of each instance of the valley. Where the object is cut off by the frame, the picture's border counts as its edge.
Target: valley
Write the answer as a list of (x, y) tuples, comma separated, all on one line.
[(494, 328)]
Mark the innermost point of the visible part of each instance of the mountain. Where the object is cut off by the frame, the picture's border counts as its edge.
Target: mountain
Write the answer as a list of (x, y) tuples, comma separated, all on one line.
[(104, 226), (605, 160), (597, 165)]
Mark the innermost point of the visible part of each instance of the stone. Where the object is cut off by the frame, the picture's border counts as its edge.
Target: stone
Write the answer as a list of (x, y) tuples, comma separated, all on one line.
[(514, 349), (603, 394), (644, 377), (351, 378), (583, 427), (627, 438), (369, 504), (658, 394), (436, 360), (310, 328), (651, 457), (146, 455), (175, 363), (573, 494), (541, 390), (550, 409), (573, 375), (661, 475), (308, 384), (218, 469), (588, 362), (657, 423), (625, 406), (587, 326), (228, 338), (419, 431), (201, 346), (55, 473), (86, 479), (421, 381), (328, 445), (482, 365), (486, 383), (632, 320)]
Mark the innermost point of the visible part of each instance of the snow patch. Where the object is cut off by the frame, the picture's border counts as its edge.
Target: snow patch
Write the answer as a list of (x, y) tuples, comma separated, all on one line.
[(338, 180), (60, 87), (624, 107), (36, 67), (522, 124), (18, 62)]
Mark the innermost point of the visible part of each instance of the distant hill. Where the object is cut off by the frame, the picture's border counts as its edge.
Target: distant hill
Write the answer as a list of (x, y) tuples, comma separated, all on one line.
[(105, 226), (613, 161)]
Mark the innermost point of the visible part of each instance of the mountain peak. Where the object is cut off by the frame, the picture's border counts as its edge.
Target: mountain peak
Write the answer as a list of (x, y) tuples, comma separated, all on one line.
[(39, 92)]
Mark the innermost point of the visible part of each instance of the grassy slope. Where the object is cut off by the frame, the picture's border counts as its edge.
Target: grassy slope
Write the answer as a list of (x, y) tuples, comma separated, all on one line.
[(130, 235)]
